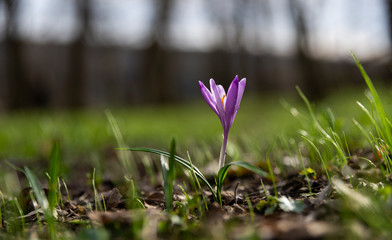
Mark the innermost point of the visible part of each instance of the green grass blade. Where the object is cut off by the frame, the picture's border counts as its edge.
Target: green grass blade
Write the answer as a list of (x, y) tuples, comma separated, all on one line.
[(66, 190), (20, 211), (37, 190), (337, 143), (165, 170), (124, 157), (96, 196), (250, 167), (371, 118), (319, 154), (364, 133), (168, 175), (54, 171), (178, 159), (331, 119), (171, 164), (251, 210), (333, 137), (305, 172), (193, 176), (42, 201), (271, 174), (312, 115), (18, 169), (377, 101), (103, 202)]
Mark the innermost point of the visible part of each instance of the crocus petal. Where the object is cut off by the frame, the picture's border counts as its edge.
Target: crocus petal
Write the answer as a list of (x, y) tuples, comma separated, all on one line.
[(218, 101), (232, 95), (222, 95), (221, 90), (208, 97), (241, 88)]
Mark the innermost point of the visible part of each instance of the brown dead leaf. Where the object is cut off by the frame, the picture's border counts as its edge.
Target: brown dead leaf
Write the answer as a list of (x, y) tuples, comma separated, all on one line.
[(112, 198)]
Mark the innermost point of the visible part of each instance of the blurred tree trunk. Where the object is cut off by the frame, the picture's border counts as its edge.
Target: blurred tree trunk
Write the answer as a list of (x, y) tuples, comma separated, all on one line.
[(311, 86), (18, 87), (245, 64), (158, 85), (220, 68), (76, 82), (240, 58), (230, 58)]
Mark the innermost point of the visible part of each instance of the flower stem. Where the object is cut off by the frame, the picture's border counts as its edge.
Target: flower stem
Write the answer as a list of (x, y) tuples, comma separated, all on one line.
[(222, 155)]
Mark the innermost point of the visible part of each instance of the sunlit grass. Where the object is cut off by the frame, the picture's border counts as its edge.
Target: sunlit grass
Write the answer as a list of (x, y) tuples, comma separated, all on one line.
[(27, 135), (263, 124)]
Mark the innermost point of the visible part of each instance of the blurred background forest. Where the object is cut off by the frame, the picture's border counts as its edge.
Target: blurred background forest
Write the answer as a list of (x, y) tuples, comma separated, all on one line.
[(98, 53)]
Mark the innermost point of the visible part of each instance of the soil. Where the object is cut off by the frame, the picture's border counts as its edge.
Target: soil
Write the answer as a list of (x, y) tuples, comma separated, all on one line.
[(246, 209)]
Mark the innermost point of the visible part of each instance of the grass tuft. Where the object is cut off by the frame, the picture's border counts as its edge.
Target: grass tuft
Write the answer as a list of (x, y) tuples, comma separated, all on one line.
[(168, 175), (43, 202)]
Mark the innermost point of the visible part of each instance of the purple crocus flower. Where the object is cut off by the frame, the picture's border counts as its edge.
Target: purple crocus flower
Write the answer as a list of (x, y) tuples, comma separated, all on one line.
[(225, 106)]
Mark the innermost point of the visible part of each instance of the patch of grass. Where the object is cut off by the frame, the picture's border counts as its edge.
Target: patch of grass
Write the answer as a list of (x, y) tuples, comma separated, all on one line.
[(379, 119), (84, 133)]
